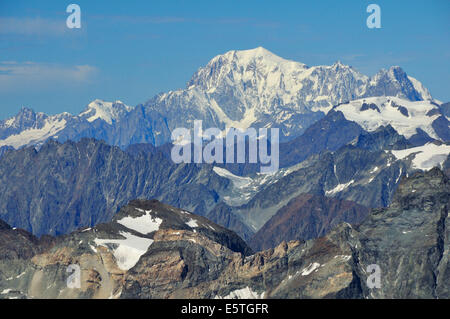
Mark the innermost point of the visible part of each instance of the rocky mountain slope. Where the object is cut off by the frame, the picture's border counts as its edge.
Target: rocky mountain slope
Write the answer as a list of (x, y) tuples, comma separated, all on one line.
[(420, 123), (62, 187), (151, 250), (239, 88), (305, 217)]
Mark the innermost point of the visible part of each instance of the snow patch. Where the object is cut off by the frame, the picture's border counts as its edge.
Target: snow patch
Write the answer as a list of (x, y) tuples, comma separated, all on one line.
[(344, 257), (192, 223), (339, 188), (426, 156), (144, 224), (107, 111), (308, 270), (238, 181), (128, 250), (244, 293)]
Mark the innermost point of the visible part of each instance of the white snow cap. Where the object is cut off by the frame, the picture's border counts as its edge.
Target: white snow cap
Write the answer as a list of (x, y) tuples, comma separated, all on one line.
[(391, 111), (107, 111)]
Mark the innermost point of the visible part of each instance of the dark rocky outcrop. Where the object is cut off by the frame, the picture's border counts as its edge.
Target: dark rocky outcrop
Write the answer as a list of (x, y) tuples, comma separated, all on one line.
[(383, 138)]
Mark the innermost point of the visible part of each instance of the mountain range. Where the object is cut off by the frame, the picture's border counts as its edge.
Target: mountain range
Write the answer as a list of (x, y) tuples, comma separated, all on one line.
[(152, 250), (239, 88)]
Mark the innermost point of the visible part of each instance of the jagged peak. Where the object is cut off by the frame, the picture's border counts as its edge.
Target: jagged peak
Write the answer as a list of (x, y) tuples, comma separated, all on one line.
[(25, 113), (395, 67), (392, 71), (338, 63), (397, 71), (25, 109)]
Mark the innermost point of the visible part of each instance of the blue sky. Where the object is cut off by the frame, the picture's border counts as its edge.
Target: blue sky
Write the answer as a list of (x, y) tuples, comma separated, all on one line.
[(132, 50)]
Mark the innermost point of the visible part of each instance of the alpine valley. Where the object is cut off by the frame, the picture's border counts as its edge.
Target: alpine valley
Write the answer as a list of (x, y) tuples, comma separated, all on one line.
[(363, 179)]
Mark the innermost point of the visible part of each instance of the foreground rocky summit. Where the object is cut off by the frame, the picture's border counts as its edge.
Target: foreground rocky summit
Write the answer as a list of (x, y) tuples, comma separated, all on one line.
[(152, 250)]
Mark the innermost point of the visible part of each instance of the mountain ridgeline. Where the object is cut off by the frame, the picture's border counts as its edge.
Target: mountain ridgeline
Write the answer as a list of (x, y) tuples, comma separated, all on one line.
[(239, 88)]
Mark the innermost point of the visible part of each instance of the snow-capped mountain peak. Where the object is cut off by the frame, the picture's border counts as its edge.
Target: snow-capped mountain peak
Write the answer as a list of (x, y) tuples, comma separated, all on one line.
[(338, 64), (107, 111), (257, 87), (246, 57), (241, 67), (395, 82)]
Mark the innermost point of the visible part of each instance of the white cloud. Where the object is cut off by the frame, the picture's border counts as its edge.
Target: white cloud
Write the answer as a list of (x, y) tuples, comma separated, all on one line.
[(32, 75), (32, 26)]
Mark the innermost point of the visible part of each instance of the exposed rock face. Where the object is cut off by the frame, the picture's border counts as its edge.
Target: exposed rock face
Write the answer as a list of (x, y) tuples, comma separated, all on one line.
[(410, 239), (181, 255), (16, 243), (442, 127), (223, 214), (445, 109), (388, 82), (329, 133), (446, 166), (304, 217), (63, 187), (383, 138), (366, 171)]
